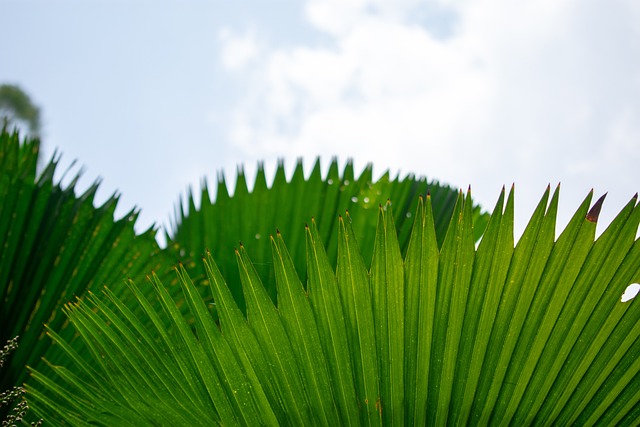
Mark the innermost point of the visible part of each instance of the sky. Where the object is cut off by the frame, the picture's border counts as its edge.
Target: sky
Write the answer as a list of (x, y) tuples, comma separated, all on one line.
[(153, 96)]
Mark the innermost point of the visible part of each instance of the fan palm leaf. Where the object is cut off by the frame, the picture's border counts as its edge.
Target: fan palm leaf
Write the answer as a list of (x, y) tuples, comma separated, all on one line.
[(250, 216), (531, 333)]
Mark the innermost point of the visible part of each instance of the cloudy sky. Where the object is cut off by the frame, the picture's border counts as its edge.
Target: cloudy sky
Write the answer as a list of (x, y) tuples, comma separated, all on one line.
[(151, 96)]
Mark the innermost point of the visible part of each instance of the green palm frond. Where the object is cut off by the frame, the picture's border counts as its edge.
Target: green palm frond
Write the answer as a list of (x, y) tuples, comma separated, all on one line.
[(451, 334), (54, 244), (249, 217)]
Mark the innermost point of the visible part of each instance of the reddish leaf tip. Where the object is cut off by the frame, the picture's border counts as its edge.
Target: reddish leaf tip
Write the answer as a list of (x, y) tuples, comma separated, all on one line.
[(594, 212)]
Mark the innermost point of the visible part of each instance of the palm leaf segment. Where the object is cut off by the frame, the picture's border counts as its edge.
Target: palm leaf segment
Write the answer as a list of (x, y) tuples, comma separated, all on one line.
[(54, 245), (249, 217), (534, 334)]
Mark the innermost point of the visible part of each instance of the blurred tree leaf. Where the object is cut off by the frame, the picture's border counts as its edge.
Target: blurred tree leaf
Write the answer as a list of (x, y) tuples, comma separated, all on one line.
[(16, 107)]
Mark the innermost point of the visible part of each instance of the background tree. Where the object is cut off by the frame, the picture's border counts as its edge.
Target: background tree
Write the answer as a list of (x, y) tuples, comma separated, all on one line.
[(16, 109)]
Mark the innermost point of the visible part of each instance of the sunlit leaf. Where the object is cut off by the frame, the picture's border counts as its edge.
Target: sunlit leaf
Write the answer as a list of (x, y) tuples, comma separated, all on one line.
[(493, 334)]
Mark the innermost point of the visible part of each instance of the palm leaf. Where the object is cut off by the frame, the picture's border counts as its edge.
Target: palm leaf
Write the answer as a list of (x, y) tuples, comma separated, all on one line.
[(54, 245), (531, 334), (249, 217)]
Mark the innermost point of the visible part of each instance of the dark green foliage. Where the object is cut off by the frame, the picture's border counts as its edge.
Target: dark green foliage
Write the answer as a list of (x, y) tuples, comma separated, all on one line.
[(55, 244)]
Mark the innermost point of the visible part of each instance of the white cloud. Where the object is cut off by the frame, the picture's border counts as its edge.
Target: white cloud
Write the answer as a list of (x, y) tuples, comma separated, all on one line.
[(531, 91), (237, 51)]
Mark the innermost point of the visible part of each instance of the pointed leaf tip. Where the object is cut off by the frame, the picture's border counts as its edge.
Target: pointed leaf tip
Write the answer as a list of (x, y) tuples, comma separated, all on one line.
[(594, 212)]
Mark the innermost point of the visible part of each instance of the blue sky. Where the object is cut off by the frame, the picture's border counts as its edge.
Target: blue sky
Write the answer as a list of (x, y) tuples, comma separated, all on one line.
[(153, 96)]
